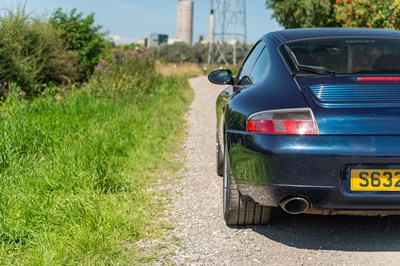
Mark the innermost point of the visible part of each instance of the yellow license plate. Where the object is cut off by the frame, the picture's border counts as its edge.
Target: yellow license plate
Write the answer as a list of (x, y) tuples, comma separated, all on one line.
[(375, 180)]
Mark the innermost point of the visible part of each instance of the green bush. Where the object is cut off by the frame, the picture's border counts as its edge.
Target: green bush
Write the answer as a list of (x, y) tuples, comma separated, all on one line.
[(81, 35), (32, 55), (130, 72)]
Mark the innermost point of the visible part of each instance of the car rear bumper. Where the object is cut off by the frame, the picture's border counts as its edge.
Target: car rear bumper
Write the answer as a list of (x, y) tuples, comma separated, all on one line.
[(270, 169)]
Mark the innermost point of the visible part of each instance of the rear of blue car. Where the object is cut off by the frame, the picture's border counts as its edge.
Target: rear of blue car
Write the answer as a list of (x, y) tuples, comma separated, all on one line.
[(341, 154), (311, 124)]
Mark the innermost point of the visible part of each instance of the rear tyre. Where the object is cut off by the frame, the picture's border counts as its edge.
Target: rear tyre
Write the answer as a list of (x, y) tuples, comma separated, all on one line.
[(239, 210), (220, 158)]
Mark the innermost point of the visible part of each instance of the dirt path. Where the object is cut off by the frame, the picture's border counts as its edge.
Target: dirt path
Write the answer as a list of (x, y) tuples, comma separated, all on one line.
[(291, 240)]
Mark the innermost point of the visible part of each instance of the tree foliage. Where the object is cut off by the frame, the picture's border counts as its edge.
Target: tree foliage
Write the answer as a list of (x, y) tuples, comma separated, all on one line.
[(198, 53), (303, 13), (82, 35), (181, 52), (364, 13), (336, 13)]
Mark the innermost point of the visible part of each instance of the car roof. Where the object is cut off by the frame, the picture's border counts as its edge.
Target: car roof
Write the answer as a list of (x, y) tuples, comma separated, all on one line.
[(310, 33)]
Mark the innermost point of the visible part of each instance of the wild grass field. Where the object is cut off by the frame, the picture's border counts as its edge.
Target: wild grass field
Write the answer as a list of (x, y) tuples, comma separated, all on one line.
[(191, 69), (75, 170)]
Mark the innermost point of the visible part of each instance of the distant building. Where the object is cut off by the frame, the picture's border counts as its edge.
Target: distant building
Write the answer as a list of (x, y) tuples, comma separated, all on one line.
[(174, 40), (143, 42), (233, 42), (185, 21), (157, 39), (204, 42)]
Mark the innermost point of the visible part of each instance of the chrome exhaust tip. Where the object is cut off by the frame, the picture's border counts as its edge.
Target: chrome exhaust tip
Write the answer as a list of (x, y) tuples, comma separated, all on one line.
[(294, 205)]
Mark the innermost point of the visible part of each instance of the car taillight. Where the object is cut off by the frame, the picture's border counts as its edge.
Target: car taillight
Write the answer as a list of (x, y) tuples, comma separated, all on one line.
[(378, 79), (283, 122)]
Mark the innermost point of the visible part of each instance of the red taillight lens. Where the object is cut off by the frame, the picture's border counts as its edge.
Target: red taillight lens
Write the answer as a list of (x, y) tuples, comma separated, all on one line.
[(283, 122)]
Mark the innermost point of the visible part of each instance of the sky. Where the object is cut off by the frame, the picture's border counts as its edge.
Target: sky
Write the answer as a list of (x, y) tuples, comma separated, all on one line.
[(129, 20)]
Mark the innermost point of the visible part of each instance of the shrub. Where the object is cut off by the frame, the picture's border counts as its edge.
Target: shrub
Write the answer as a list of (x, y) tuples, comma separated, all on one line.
[(31, 54), (127, 72), (80, 34)]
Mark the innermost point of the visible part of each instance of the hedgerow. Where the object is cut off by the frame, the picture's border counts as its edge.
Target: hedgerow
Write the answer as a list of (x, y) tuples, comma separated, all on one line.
[(31, 54)]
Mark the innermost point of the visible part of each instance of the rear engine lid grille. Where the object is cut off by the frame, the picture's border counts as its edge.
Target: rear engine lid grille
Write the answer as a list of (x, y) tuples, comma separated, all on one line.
[(356, 95)]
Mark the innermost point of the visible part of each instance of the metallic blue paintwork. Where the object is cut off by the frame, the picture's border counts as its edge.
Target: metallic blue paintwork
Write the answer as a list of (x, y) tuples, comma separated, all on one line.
[(354, 132), (301, 34), (312, 167)]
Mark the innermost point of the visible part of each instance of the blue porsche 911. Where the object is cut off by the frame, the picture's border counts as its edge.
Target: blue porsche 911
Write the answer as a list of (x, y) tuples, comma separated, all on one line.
[(311, 123)]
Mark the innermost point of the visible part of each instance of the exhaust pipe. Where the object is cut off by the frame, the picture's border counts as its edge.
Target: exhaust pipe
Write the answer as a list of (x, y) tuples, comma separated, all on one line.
[(295, 205)]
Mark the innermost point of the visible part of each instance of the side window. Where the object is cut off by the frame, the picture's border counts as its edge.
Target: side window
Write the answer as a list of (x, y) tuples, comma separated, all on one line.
[(244, 75), (261, 68)]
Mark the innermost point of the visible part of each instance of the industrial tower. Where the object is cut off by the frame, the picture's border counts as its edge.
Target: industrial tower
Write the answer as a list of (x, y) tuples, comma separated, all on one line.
[(227, 25), (185, 21)]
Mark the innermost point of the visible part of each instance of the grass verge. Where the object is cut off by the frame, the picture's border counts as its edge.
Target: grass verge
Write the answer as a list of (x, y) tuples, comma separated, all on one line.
[(75, 173)]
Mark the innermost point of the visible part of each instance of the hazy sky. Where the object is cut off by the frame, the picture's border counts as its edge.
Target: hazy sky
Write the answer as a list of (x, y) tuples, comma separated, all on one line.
[(129, 20)]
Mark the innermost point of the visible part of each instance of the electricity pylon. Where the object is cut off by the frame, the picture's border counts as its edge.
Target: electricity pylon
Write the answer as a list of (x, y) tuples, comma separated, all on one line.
[(228, 28)]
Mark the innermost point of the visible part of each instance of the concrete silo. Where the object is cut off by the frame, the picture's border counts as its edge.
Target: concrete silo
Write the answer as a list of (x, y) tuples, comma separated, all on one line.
[(185, 21)]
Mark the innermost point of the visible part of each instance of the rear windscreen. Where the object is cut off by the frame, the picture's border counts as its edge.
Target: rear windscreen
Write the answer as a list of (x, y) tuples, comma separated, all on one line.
[(350, 55)]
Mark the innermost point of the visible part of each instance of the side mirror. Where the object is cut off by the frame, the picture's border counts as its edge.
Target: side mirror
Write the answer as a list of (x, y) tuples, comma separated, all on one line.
[(221, 77)]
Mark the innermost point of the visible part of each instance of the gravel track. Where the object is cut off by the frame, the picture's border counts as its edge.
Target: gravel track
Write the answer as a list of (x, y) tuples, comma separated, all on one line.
[(288, 240)]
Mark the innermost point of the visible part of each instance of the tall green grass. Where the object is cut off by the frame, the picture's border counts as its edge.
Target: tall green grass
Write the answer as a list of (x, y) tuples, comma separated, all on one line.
[(74, 172)]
